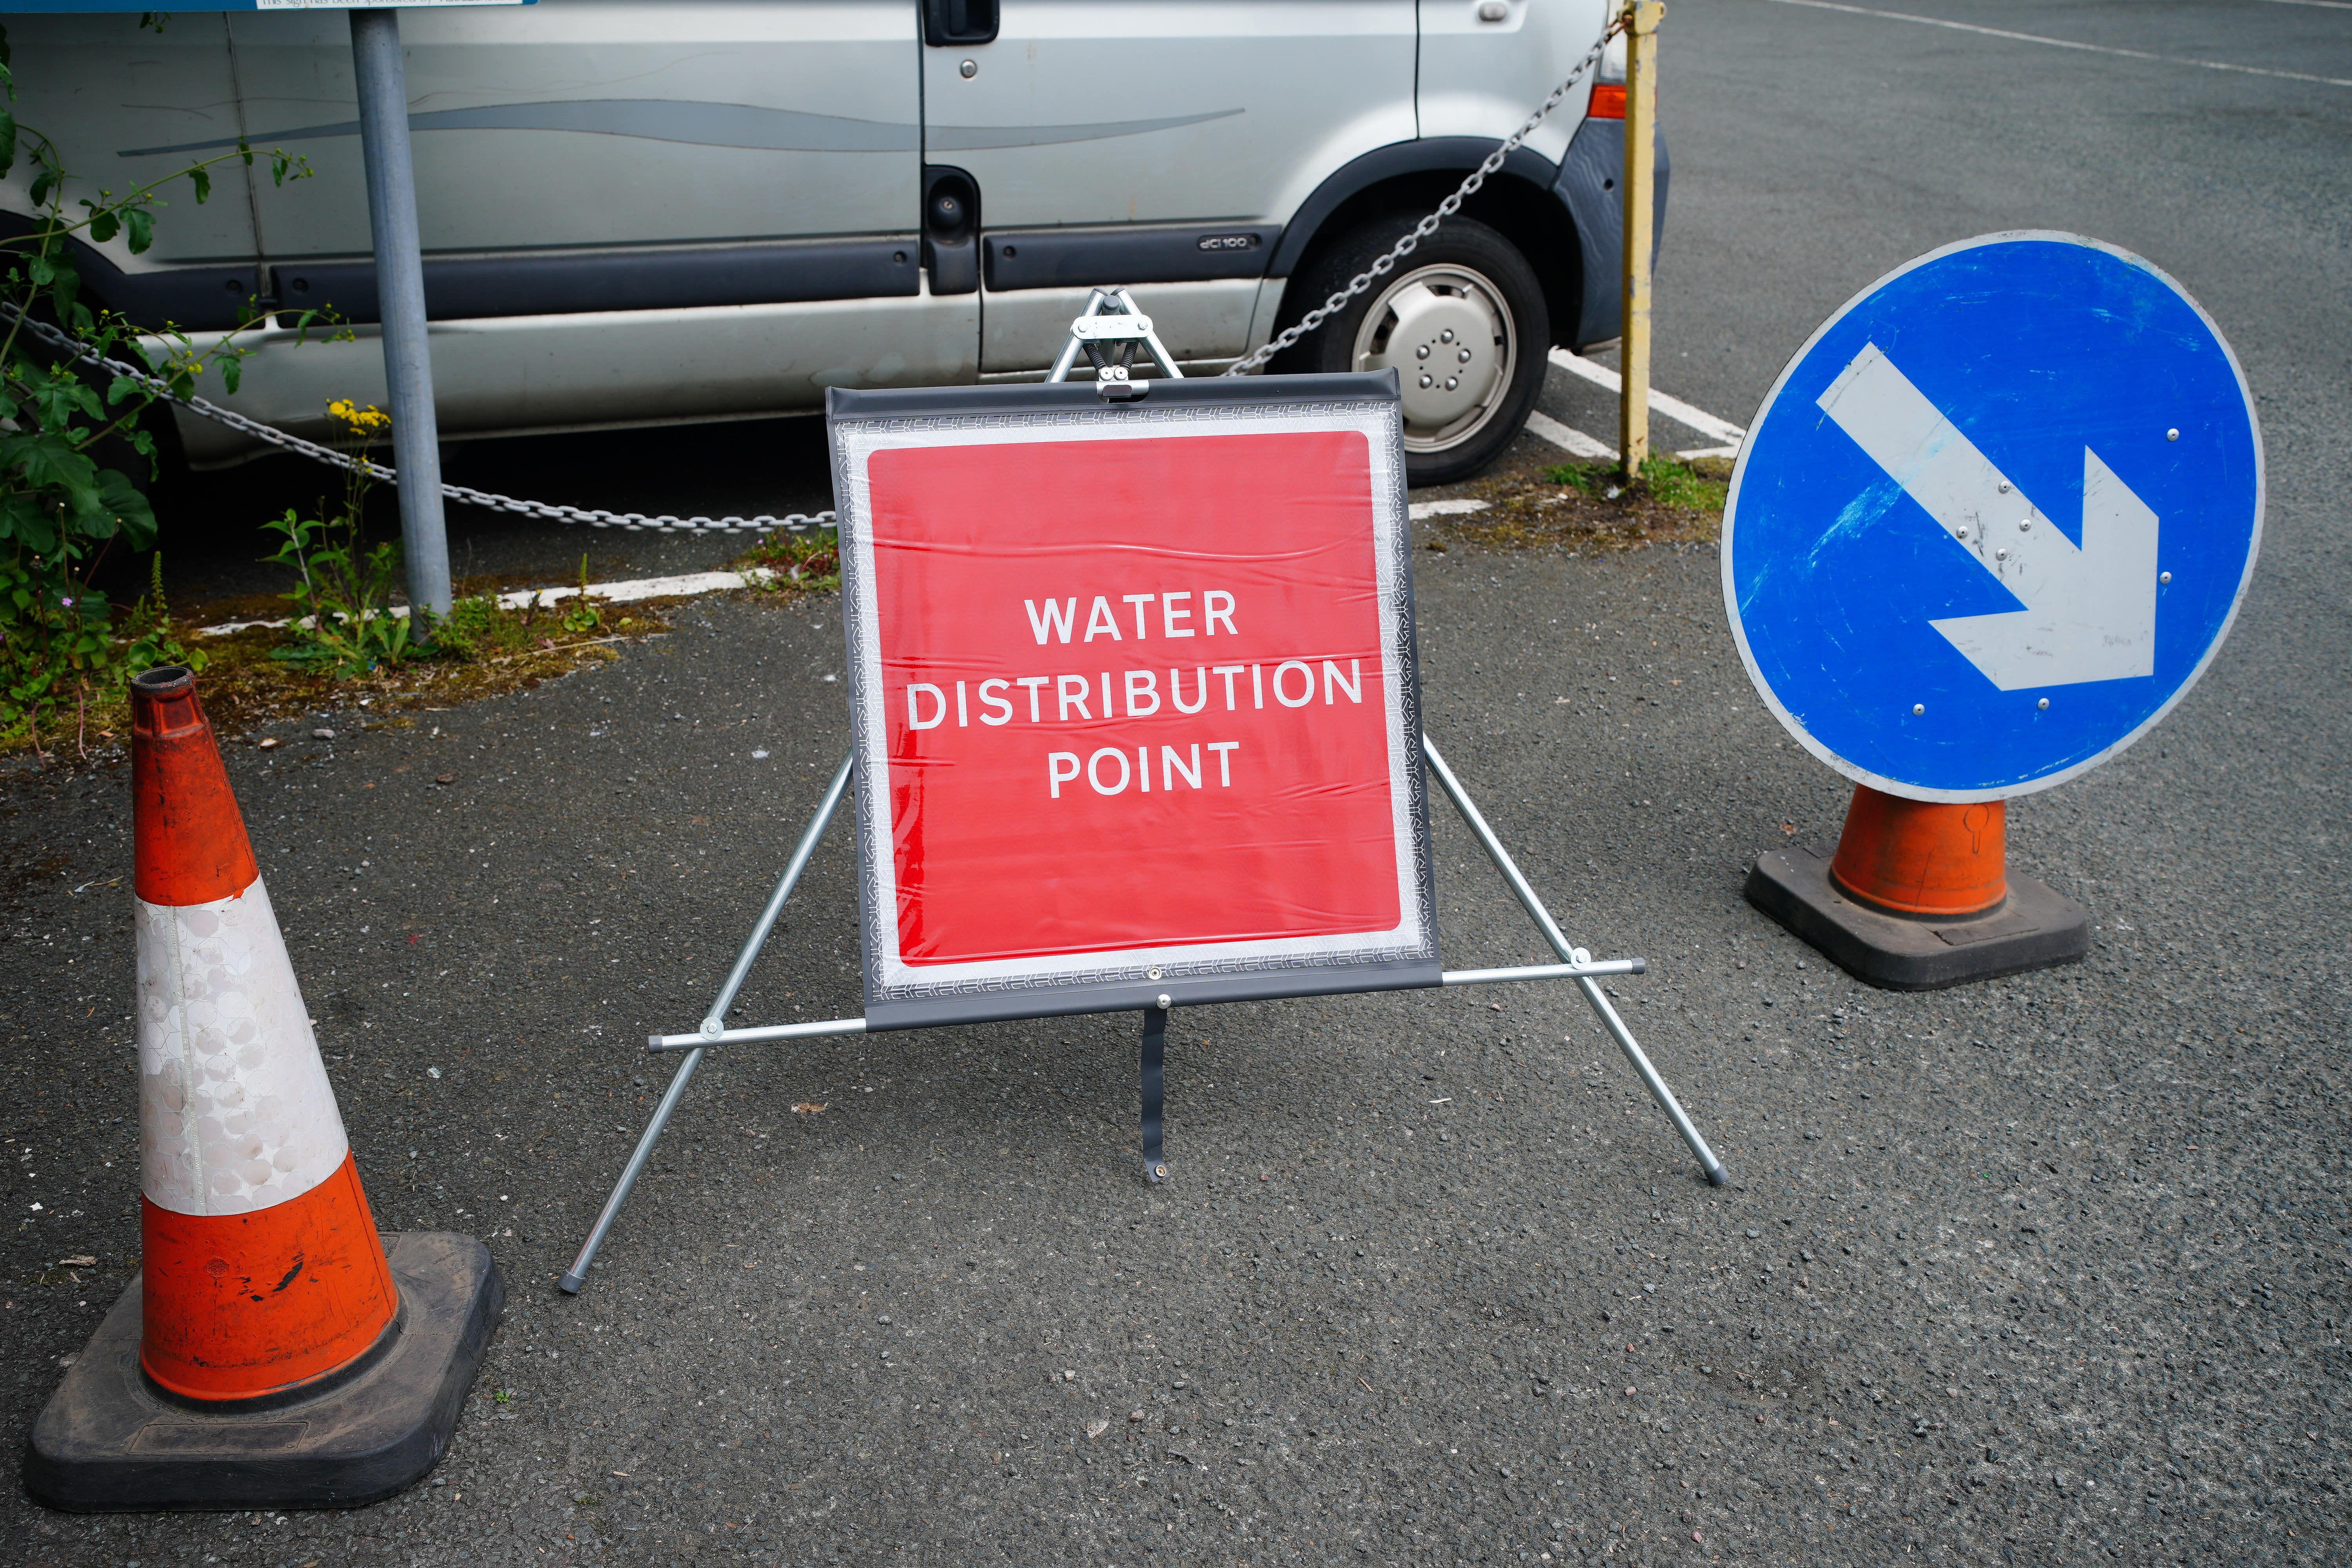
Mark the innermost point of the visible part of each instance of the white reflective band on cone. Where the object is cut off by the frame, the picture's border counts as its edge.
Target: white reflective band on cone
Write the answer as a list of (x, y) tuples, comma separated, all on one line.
[(235, 1110)]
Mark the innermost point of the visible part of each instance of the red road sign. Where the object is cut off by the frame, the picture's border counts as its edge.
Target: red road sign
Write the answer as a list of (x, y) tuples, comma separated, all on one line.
[(1136, 703)]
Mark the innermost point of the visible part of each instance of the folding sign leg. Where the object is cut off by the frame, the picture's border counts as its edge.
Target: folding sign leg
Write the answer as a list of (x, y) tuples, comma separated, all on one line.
[(1525, 894), (713, 1022), (1155, 1060)]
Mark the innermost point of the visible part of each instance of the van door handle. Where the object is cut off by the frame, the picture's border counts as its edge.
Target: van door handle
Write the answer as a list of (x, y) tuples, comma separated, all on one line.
[(948, 22)]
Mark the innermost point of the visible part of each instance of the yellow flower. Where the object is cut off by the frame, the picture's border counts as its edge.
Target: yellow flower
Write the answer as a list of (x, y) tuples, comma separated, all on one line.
[(368, 421)]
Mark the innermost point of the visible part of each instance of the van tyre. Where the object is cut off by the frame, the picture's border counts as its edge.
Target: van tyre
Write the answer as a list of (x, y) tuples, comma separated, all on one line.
[(1462, 322)]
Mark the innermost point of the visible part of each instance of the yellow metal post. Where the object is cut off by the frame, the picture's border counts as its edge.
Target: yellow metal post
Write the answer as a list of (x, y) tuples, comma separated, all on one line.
[(1641, 170)]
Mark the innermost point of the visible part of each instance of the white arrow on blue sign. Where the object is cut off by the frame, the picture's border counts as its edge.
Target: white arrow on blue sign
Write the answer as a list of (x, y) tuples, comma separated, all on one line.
[(1994, 518)]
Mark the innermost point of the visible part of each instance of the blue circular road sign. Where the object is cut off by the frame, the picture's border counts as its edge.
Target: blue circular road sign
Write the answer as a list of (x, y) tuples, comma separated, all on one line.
[(1994, 518)]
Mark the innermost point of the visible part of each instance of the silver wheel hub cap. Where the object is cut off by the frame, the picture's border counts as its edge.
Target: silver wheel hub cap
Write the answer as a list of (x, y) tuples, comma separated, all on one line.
[(1447, 334)]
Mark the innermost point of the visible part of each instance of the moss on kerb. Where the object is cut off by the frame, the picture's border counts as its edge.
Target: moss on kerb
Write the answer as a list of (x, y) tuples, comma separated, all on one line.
[(1584, 507), (243, 687)]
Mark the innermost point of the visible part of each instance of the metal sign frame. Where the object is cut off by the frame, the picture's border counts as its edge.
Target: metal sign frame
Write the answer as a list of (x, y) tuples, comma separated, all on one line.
[(1113, 396)]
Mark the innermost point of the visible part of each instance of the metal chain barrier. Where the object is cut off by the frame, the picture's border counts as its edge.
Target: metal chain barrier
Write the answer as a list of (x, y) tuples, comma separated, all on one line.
[(632, 521), (796, 523), (1428, 225)]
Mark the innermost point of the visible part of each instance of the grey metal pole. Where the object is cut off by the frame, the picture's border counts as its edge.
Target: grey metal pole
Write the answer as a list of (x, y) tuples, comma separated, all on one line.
[(1525, 894), (1068, 357), (577, 1275), (400, 299), (1716, 1175), (714, 1021), (765, 1034), (1166, 361)]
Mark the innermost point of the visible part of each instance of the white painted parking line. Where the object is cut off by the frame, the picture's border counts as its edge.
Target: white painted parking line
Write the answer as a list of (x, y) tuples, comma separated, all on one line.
[(1421, 509), (1688, 453), (2070, 43), (1673, 408), (223, 628), (638, 588), (1574, 441), (643, 588)]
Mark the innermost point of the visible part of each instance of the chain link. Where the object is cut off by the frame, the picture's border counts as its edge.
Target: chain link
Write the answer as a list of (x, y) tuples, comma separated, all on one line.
[(632, 521), (794, 523), (1428, 225)]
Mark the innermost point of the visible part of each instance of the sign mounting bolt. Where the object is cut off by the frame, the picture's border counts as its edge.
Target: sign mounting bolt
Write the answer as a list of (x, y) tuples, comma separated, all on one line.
[(1166, 1002), (2173, 435), (2043, 705), (2164, 576), (970, 68), (1917, 709)]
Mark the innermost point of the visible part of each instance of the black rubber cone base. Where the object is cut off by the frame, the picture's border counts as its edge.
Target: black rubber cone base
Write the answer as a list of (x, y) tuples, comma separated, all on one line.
[(107, 1442), (2033, 928)]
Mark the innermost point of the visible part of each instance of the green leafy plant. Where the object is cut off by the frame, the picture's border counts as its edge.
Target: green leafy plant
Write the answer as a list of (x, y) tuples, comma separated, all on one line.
[(58, 647), (584, 615), (1593, 478), (63, 418), (1669, 481), (479, 626), (345, 622), (1672, 482), (811, 560)]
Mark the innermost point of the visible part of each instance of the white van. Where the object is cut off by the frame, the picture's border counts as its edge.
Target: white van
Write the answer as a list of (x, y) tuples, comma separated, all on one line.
[(645, 211)]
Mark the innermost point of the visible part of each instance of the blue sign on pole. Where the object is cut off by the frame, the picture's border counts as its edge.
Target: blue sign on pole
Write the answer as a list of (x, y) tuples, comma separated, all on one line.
[(1994, 518)]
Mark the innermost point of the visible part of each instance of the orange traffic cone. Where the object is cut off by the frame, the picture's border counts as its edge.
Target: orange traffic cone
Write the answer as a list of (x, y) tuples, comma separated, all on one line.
[(262, 1270), (1922, 856), (1918, 896), (264, 1285)]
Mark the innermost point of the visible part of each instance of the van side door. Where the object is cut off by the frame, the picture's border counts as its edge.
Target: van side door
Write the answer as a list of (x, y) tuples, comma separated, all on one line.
[(1163, 145), (638, 211)]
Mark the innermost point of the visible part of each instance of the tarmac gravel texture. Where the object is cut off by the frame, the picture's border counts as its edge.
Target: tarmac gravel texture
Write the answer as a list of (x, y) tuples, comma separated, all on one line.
[(2050, 1270), (2052, 1265)]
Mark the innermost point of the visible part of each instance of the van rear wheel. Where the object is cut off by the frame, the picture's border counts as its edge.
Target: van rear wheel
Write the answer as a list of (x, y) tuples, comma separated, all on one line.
[(1461, 321)]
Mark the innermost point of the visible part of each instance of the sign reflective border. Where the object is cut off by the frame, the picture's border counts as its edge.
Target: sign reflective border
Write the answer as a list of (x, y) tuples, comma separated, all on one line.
[(1134, 696)]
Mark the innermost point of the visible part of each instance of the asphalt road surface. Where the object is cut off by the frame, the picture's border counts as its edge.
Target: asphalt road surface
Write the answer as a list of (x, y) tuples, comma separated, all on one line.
[(2046, 1270)]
